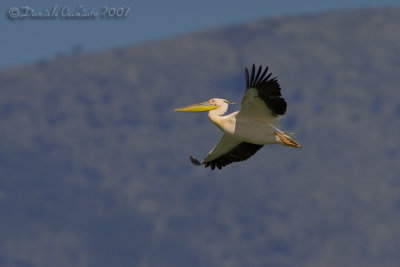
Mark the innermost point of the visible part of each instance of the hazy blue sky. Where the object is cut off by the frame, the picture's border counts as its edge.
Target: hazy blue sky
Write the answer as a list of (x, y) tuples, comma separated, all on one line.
[(28, 39)]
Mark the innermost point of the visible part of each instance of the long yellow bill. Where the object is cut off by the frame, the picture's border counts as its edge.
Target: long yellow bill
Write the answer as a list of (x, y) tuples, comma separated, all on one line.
[(200, 107)]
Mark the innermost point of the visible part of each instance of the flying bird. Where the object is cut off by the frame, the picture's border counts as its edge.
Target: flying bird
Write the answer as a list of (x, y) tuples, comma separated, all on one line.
[(249, 129)]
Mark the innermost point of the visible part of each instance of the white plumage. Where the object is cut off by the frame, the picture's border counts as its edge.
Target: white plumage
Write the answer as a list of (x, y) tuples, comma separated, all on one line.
[(247, 130)]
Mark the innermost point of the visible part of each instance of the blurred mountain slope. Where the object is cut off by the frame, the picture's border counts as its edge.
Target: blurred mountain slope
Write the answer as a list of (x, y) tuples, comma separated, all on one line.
[(94, 162)]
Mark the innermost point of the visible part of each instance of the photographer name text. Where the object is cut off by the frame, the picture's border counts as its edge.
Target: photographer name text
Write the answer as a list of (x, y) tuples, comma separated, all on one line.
[(66, 12)]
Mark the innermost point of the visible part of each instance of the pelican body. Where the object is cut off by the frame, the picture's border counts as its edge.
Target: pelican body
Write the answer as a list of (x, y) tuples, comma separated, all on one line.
[(247, 130)]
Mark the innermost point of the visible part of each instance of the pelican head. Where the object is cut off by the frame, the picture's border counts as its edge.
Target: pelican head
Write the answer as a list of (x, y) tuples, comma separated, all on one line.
[(218, 104)]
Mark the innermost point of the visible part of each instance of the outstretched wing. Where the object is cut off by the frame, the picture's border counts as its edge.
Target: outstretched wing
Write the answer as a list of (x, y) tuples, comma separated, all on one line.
[(229, 150), (263, 96)]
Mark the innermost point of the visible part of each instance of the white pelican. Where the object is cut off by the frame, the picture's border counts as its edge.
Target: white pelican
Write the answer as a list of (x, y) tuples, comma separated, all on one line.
[(247, 130)]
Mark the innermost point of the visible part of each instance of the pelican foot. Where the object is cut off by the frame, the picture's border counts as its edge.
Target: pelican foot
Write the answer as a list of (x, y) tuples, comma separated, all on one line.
[(286, 140)]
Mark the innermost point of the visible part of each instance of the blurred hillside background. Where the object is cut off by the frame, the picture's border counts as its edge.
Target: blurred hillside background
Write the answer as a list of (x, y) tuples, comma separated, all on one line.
[(119, 23), (94, 167)]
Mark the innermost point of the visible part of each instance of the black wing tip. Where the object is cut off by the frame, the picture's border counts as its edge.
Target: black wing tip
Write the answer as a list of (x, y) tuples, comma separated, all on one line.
[(268, 89), (213, 164), (240, 153), (255, 80), (194, 161), (246, 72)]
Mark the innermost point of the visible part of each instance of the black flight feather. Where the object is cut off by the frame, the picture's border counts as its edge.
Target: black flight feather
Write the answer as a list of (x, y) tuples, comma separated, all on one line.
[(241, 152), (269, 90)]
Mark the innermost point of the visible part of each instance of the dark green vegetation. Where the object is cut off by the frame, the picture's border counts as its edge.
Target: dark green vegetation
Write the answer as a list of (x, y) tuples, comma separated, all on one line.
[(94, 166)]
